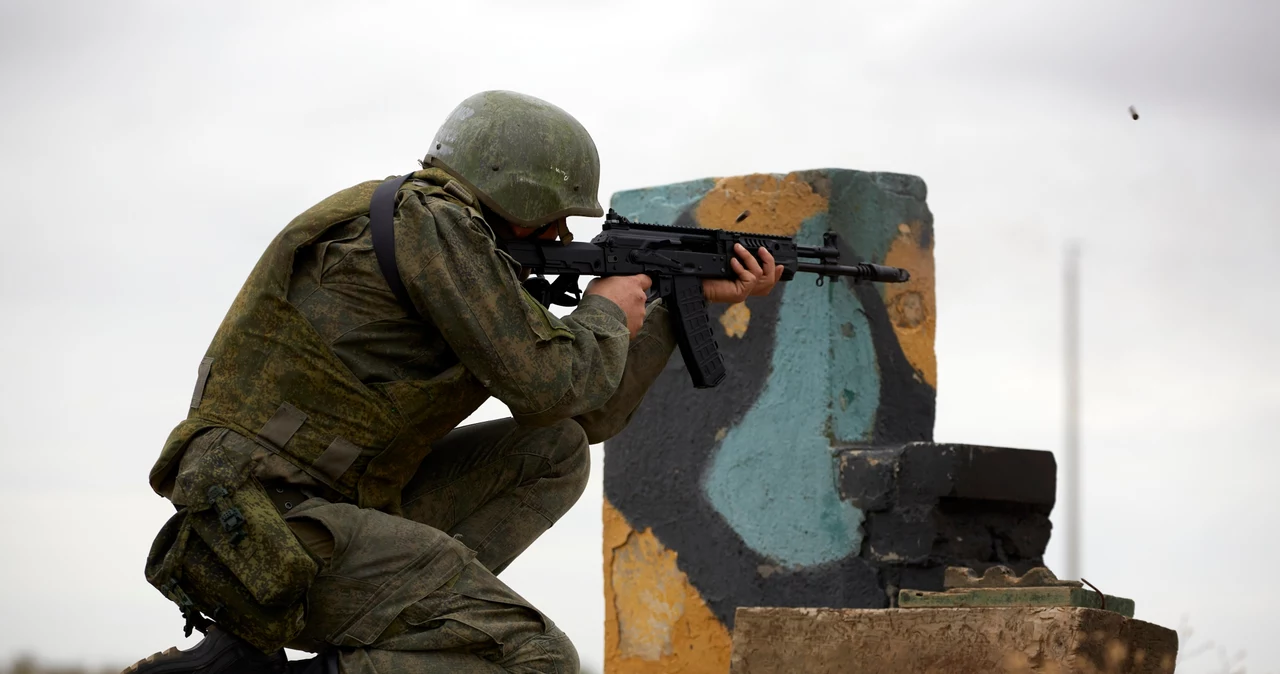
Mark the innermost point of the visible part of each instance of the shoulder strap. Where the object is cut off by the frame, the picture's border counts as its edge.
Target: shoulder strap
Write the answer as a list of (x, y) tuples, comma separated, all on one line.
[(382, 211)]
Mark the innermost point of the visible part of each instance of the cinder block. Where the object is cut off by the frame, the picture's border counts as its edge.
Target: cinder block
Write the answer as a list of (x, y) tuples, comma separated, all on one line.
[(904, 535), (932, 505), (930, 471), (868, 477)]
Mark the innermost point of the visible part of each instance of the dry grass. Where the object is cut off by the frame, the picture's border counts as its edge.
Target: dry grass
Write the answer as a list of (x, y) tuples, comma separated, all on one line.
[(29, 665)]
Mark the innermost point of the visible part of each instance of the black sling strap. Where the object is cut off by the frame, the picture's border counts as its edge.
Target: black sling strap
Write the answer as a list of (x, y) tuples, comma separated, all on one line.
[(382, 211)]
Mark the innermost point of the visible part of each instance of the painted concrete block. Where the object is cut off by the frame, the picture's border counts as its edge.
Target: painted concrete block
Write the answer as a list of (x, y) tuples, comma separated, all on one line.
[(948, 641), (727, 497)]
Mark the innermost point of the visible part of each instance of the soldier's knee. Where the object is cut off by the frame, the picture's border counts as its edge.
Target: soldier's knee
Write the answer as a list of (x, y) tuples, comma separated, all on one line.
[(567, 456), (567, 448), (572, 437), (575, 454), (562, 653), (550, 652)]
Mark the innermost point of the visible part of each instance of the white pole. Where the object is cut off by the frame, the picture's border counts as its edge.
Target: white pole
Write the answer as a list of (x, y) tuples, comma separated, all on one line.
[(1071, 440)]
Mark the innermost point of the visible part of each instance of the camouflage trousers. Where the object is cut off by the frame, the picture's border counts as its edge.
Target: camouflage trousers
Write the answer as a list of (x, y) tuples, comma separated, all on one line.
[(419, 593)]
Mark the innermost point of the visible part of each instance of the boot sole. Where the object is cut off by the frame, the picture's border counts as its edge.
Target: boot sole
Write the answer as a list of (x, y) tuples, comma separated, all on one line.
[(211, 658), (150, 659)]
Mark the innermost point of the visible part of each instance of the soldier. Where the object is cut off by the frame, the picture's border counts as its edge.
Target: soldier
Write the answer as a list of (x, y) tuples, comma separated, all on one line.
[(326, 499)]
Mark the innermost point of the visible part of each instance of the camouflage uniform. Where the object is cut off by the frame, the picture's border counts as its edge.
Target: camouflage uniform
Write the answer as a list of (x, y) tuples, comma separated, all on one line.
[(326, 404)]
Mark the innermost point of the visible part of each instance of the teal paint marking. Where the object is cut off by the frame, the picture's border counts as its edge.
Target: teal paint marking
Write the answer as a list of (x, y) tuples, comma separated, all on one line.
[(874, 204), (854, 370), (660, 205), (878, 203), (773, 477)]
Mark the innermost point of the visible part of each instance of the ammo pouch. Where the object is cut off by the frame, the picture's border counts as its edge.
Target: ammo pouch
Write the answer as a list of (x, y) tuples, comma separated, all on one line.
[(227, 553)]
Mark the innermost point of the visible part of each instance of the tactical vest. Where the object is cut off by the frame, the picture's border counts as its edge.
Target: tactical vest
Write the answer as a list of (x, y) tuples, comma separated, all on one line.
[(271, 378), (269, 375)]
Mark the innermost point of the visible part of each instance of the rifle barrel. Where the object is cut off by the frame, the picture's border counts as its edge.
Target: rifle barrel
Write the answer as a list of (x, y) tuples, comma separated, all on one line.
[(862, 272)]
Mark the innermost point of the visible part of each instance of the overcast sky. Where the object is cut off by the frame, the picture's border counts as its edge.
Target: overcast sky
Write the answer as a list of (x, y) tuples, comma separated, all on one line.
[(149, 152)]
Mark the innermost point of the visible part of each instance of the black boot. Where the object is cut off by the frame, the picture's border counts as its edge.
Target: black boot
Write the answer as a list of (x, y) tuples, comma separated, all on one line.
[(320, 664), (218, 652)]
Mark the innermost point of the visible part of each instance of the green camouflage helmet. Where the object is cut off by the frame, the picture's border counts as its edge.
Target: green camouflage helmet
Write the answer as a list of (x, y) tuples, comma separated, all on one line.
[(527, 160)]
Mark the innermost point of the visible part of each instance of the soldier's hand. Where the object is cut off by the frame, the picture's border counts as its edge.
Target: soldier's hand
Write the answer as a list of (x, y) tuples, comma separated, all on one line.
[(628, 292), (752, 279)]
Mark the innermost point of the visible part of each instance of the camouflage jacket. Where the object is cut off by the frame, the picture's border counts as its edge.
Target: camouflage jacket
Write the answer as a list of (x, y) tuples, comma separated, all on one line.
[(343, 388)]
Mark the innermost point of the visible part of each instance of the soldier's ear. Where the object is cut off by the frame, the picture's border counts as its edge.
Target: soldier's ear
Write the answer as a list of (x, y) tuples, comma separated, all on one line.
[(562, 229)]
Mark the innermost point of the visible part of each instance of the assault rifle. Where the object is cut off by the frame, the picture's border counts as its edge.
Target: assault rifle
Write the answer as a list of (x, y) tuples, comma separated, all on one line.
[(677, 259)]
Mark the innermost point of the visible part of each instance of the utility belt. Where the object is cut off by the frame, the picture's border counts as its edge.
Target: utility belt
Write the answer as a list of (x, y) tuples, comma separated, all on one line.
[(228, 553), (284, 496)]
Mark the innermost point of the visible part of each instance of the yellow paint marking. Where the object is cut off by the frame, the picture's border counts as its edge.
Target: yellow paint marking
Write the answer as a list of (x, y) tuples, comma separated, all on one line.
[(777, 206), (735, 319), (912, 306), (655, 621), (648, 599)]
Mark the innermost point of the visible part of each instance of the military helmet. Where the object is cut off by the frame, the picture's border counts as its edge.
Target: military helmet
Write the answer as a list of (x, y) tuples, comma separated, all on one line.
[(527, 160)]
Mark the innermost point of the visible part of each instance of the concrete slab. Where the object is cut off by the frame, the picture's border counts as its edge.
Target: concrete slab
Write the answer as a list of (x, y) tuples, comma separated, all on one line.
[(1016, 640)]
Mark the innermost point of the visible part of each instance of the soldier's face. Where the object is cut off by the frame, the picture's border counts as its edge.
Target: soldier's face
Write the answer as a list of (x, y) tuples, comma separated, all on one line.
[(548, 232)]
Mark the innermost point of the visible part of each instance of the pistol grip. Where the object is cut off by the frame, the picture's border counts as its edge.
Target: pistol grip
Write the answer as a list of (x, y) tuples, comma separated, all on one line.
[(688, 308)]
